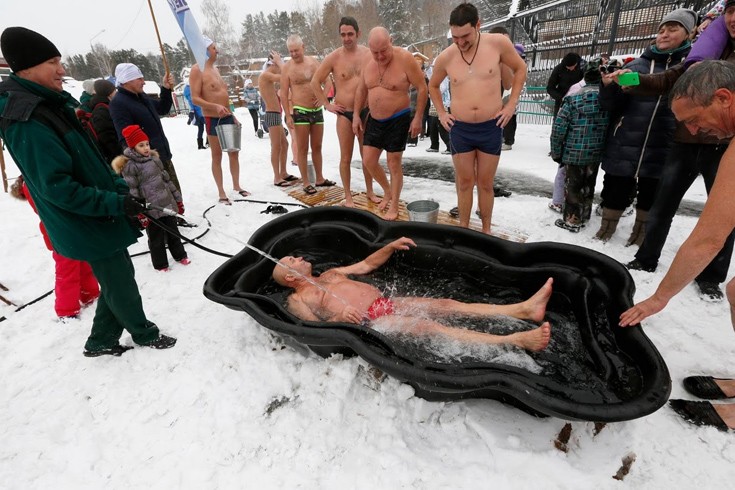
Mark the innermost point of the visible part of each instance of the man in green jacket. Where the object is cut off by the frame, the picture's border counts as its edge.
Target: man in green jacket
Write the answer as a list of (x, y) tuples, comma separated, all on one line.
[(80, 200)]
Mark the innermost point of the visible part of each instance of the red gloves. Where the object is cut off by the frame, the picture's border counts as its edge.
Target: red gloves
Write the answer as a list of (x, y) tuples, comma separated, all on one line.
[(144, 221), (180, 205)]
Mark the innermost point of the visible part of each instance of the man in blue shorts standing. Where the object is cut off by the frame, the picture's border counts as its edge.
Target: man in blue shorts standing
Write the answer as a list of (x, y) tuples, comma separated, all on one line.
[(478, 115)]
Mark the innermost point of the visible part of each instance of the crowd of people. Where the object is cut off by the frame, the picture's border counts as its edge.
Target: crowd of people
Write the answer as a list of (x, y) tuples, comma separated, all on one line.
[(651, 140)]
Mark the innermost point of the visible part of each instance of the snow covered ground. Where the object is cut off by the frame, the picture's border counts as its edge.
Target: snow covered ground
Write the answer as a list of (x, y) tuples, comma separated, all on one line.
[(232, 407)]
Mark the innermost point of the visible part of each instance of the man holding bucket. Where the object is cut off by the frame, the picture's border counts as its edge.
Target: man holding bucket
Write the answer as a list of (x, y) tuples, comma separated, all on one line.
[(209, 91)]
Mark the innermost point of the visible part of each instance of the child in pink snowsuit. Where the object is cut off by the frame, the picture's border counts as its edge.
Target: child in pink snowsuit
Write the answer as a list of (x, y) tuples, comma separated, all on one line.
[(75, 284)]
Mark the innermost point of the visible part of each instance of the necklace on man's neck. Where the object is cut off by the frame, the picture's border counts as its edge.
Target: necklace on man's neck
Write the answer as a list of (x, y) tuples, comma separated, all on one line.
[(380, 75), (469, 63)]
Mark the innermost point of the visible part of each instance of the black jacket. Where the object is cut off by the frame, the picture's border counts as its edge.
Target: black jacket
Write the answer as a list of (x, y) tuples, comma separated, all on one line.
[(128, 108), (561, 79), (641, 127), (103, 127)]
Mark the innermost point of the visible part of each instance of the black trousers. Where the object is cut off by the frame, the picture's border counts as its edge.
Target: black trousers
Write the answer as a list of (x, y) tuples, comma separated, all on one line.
[(168, 166), (618, 192), (579, 190), (436, 131), (255, 115), (157, 240), (684, 163), (509, 131)]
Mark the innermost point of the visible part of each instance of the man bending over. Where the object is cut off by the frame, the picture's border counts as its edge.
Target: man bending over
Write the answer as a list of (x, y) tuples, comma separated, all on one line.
[(334, 297)]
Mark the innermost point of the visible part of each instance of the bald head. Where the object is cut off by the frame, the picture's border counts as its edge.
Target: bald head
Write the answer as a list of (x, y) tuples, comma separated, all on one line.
[(379, 34)]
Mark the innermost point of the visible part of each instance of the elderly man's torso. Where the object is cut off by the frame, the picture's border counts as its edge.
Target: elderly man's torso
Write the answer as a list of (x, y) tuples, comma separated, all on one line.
[(214, 90), (388, 85), (355, 293), (299, 76)]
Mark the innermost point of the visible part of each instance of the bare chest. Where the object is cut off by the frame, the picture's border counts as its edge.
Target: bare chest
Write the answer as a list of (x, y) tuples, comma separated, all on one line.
[(390, 77)]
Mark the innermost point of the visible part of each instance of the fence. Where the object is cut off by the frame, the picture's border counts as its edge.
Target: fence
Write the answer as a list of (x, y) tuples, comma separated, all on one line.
[(550, 29)]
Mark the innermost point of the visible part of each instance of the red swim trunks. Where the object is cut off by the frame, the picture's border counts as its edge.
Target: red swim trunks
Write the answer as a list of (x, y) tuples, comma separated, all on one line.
[(380, 307)]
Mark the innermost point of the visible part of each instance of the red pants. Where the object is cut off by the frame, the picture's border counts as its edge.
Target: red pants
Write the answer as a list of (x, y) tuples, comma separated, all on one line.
[(75, 284)]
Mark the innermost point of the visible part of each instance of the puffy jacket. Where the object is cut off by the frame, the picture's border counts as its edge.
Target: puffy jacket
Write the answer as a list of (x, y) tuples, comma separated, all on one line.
[(661, 83), (147, 179), (252, 97), (578, 133), (641, 127), (78, 196), (128, 108), (187, 95)]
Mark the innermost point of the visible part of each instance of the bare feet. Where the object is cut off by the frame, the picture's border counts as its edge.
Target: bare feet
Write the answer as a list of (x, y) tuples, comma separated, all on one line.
[(373, 197), (349, 203), (533, 340), (726, 413), (384, 203), (391, 214), (535, 306), (727, 386)]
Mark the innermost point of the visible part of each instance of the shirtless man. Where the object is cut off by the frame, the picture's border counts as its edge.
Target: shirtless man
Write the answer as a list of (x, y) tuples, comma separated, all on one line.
[(303, 112), (279, 143), (345, 64), (209, 91), (337, 298), (478, 115), (385, 81)]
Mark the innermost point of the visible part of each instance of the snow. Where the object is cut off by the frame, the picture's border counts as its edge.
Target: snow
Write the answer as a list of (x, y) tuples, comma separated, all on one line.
[(232, 406)]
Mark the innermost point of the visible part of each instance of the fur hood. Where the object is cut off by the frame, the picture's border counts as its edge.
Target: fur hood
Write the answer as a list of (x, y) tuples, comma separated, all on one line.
[(119, 162)]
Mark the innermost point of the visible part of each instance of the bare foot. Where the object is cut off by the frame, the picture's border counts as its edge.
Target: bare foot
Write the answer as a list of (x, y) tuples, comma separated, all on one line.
[(727, 386), (535, 306), (533, 340), (349, 203), (373, 197), (391, 214), (726, 413), (384, 203)]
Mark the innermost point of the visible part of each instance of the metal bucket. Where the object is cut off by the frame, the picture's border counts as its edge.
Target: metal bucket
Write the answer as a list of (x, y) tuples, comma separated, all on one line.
[(423, 211), (229, 136)]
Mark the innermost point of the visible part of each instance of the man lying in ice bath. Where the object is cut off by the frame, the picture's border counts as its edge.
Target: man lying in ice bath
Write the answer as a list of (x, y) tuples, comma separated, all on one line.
[(337, 298)]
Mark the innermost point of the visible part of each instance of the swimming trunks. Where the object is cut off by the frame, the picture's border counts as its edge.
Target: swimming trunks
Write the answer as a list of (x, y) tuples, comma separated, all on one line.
[(382, 306), (272, 119), (349, 114), (213, 122), (388, 134), (305, 115), (485, 136)]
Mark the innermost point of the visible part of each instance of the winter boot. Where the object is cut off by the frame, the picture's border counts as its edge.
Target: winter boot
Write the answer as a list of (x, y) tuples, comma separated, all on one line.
[(610, 218), (639, 228), (200, 144)]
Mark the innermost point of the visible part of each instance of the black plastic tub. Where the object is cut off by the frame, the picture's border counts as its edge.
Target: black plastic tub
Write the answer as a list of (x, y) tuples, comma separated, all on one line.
[(614, 373)]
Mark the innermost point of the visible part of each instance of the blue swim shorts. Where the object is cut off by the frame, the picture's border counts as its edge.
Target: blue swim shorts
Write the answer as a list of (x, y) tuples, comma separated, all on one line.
[(486, 137), (213, 122)]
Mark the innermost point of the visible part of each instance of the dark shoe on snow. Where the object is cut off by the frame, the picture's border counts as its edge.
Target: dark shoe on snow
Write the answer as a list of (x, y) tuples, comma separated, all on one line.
[(637, 265), (454, 212), (115, 350), (500, 192), (699, 413), (704, 387), (710, 290), (574, 228), (162, 342)]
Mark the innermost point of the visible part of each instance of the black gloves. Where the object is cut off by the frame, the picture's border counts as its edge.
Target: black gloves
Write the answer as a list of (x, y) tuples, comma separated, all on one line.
[(133, 206)]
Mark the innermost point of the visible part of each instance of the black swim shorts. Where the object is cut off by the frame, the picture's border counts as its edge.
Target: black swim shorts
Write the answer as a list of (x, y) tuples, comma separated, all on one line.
[(388, 134), (485, 136), (213, 122), (306, 115)]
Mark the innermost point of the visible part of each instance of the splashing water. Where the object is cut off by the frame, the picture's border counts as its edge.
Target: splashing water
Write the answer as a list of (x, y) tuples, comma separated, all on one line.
[(279, 264)]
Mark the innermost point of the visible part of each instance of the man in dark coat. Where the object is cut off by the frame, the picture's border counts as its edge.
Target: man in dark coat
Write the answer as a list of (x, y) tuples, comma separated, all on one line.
[(132, 106), (566, 74), (79, 199)]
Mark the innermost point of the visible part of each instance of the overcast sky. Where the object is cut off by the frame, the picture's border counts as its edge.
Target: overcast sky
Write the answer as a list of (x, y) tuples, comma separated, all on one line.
[(72, 24)]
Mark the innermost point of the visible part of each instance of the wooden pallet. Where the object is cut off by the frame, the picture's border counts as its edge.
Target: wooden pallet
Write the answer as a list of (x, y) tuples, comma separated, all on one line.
[(335, 196)]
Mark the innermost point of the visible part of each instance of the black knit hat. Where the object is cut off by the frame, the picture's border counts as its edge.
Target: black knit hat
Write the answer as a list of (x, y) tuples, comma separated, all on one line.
[(103, 87), (23, 48)]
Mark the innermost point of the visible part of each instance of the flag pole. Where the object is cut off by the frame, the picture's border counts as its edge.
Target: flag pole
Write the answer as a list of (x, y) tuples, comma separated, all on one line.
[(158, 35)]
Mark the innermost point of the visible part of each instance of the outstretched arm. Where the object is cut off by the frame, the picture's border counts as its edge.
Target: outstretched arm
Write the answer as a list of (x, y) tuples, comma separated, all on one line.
[(376, 259)]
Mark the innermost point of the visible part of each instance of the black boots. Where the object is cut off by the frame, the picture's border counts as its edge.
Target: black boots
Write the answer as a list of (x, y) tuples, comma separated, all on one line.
[(200, 144)]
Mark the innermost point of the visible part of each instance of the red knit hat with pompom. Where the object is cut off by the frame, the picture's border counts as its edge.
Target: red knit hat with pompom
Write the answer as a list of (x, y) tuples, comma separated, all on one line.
[(133, 135)]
